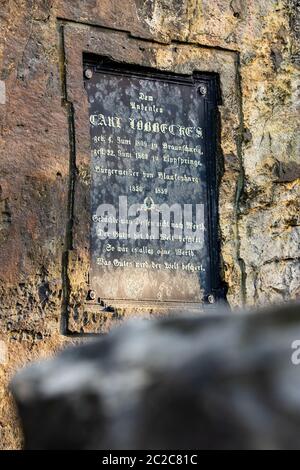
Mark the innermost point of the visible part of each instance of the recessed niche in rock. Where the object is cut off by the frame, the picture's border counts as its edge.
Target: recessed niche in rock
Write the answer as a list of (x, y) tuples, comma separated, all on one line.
[(153, 185)]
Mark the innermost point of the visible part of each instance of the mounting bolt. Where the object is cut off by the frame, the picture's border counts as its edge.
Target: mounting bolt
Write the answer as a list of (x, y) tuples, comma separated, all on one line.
[(91, 295), (202, 89), (211, 299), (88, 73)]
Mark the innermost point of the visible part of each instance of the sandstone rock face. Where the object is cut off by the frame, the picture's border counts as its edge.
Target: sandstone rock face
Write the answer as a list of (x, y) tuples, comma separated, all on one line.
[(42, 275), (216, 382)]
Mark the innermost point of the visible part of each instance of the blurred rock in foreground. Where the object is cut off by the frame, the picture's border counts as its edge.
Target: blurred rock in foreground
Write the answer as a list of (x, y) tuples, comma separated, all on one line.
[(219, 381)]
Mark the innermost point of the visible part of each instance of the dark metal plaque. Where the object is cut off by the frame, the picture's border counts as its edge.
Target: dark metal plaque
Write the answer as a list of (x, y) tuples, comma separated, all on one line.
[(153, 185)]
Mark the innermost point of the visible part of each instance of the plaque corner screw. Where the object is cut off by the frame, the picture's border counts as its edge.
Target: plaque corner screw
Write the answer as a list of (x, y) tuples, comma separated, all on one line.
[(88, 73)]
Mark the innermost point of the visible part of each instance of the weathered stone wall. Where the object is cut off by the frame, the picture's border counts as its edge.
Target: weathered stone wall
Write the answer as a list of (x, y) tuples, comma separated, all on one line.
[(260, 189)]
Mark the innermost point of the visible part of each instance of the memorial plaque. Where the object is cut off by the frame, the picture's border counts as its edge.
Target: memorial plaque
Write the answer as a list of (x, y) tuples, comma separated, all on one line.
[(153, 185)]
